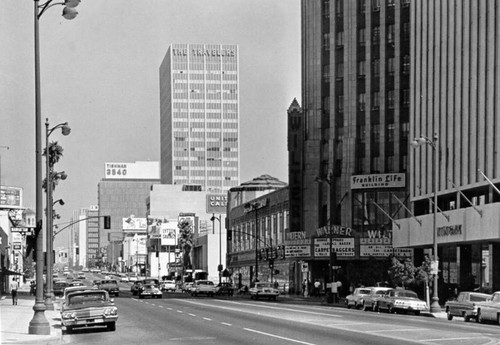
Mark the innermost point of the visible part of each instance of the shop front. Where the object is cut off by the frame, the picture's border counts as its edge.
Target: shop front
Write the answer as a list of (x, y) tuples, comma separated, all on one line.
[(468, 242)]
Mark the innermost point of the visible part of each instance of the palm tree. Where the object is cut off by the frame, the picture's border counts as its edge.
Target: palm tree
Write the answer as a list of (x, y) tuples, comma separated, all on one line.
[(55, 154), (186, 242)]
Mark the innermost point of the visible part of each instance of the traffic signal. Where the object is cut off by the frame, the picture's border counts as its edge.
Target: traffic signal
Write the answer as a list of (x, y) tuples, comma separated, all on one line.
[(31, 246), (229, 235), (107, 222), (276, 271), (271, 264)]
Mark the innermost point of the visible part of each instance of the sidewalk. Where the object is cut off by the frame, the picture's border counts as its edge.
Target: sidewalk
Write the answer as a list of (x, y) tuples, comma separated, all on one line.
[(15, 320)]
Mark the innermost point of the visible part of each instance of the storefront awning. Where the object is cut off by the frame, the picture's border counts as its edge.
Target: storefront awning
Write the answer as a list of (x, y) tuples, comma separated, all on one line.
[(7, 272)]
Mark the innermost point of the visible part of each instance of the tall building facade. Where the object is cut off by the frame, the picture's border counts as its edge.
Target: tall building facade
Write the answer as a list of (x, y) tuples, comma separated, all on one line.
[(122, 194), (199, 116), (354, 126), (455, 102)]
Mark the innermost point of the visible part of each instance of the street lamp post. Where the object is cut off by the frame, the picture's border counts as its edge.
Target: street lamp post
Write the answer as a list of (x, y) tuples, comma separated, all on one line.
[(219, 268), (39, 323), (435, 307), (50, 177)]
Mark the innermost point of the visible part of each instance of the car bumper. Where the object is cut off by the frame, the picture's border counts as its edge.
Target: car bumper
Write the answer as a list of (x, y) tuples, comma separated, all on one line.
[(89, 321)]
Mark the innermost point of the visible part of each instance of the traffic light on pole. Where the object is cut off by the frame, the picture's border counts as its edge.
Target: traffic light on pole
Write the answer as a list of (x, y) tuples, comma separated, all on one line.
[(107, 222), (229, 235)]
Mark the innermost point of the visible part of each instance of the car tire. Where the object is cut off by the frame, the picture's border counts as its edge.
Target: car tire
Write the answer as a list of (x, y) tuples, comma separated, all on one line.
[(417, 312), (390, 309), (365, 307), (141, 297), (274, 298), (466, 318), (449, 316), (117, 294), (111, 326), (348, 306)]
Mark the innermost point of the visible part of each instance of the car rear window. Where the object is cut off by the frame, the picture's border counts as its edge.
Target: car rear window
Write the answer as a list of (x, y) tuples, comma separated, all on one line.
[(406, 294), (478, 298)]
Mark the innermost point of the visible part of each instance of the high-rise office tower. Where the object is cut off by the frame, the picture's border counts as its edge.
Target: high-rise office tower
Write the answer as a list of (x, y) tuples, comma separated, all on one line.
[(199, 116), (356, 73), (355, 126)]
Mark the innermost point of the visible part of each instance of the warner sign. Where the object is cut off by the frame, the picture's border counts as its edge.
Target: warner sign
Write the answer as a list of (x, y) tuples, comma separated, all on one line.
[(216, 203)]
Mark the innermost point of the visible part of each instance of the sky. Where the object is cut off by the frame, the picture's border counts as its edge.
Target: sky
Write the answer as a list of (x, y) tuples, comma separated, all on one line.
[(99, 73)]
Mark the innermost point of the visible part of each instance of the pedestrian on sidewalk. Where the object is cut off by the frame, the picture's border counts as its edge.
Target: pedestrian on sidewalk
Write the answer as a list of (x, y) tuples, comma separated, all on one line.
[(13, 291), (32, 288)]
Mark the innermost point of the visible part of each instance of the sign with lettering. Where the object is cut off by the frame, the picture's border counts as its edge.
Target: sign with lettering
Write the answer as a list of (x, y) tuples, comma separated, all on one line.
[(11, 197), (336, 230), (298, 251), (397, 180), (137, 170), (450, 230), (376, 250), (217, 203), (344, 247)]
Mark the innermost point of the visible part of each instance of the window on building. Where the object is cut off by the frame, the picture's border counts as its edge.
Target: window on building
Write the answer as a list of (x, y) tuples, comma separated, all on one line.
[(376, 68), (362, 36), (376, 5), (391, 99), (390, 66), (340, 103), (362, 6), (361, 68), (339, 7), (390, 33), (326, 41), (376, 100), (376, 34), (362, 101), (339, 39), (406, 64), (406, 97), (339, 73)]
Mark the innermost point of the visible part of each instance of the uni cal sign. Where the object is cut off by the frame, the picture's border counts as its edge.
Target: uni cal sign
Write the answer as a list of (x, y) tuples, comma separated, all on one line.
[(217, 203)]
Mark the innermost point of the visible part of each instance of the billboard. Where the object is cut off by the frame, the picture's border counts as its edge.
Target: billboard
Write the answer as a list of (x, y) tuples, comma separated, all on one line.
[(394, 180), (137, 170), (217, 203), (11, 197), (131, 224), (164, 229)]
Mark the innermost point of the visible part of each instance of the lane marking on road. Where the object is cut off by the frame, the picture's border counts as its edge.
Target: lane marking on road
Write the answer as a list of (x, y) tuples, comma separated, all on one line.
[(464, 338), (278, 336), (206, 318), (226, 324), (180, 311), (153, 304), (398, 330), (192, 315), (160, 306), (169, 308)]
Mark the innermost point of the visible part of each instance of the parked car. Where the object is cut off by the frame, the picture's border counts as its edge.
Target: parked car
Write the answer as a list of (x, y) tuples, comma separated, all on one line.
[(80, 275), (168, 285), (263, 290), (136, 287), (401, 300), (370, 300), (357, 297), (111, 286), (489, 310), (186, 287), (224, 289), (58, 287), (203, 287), (150, 290), (88, 308), (465, 305)]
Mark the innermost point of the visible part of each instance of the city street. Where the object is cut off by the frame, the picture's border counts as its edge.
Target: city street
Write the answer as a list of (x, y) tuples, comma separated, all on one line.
[(181, 319)]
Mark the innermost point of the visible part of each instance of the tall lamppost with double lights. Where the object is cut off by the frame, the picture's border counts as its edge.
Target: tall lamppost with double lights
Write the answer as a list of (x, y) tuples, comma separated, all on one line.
[(219, 268), (39, 323), (50, 180), (422, 140)]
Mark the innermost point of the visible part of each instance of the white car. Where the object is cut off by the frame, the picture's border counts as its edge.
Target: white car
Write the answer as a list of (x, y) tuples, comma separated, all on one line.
[(263, 290), (206, 287), (168, 285)]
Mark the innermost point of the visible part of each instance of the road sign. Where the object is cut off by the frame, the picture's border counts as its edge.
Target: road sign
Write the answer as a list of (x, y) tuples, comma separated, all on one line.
[(22, 230)]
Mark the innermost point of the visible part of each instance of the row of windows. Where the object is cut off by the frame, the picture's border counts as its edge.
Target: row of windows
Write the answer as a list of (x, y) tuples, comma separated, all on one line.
[(376, 100), (271, 231)]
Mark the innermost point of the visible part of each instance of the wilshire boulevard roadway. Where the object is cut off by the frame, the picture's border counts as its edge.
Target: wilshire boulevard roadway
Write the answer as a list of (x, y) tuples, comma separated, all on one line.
[(178, 318)]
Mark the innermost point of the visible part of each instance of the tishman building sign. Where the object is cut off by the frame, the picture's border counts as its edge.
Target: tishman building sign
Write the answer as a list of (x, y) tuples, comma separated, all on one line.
[(378, 181)]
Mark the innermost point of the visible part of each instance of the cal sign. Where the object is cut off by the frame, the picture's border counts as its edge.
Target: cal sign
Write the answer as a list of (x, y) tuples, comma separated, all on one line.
[(216, 203)]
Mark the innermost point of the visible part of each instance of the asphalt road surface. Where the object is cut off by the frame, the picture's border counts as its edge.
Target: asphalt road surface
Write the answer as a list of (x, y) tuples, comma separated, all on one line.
[(178, 318)]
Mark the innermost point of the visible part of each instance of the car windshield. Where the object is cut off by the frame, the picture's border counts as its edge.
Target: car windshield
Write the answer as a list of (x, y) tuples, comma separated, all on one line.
[(364, 291), (380, 292), (87, 298), (496, 298)]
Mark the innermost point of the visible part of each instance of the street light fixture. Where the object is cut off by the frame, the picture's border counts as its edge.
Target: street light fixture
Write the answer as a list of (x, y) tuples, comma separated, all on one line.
[(219, 268), (435, 307), (39, 323), (51, 177)]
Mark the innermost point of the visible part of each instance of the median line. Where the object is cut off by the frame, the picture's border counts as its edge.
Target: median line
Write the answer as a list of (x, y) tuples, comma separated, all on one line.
[(278, 336)]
